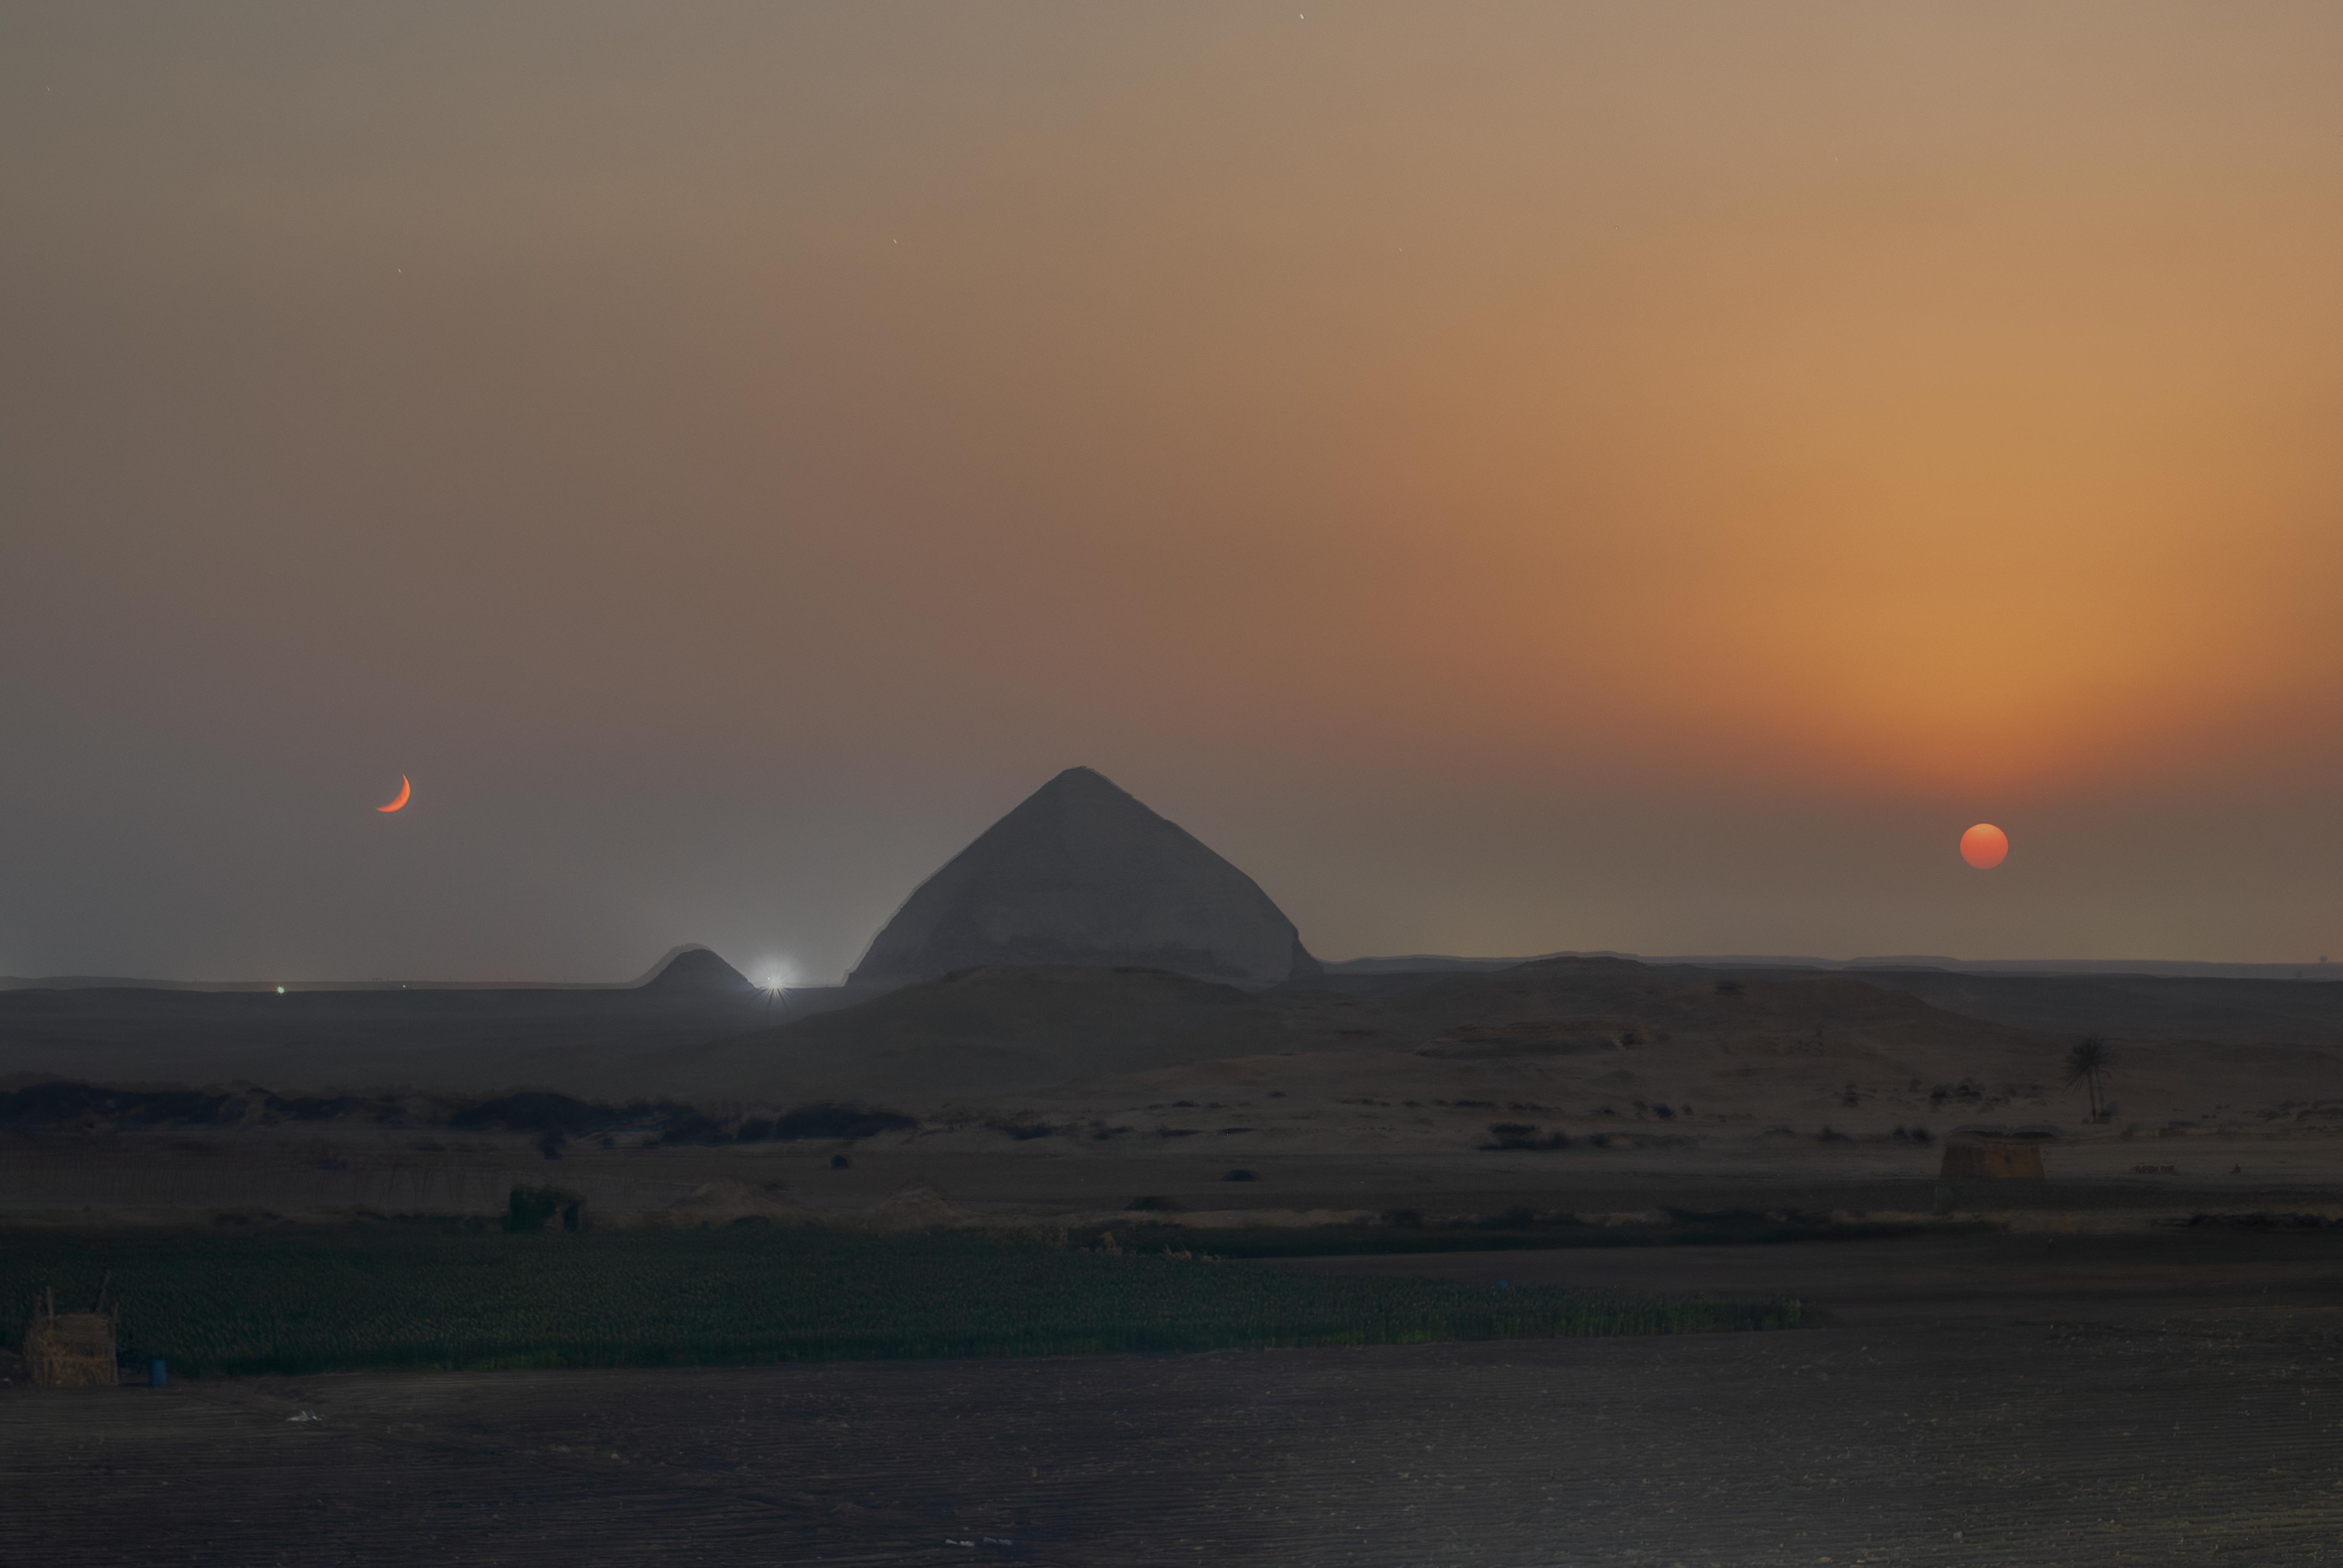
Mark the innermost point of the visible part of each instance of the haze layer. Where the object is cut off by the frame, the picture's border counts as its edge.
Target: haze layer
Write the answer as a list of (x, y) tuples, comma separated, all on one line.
[(1512, 477)]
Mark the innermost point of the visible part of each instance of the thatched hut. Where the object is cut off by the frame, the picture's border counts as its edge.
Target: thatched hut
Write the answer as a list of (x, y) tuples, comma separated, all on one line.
[(70, 1350)]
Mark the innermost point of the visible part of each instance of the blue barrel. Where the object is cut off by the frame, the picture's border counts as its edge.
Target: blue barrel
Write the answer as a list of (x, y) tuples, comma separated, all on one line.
[(156, 1376)]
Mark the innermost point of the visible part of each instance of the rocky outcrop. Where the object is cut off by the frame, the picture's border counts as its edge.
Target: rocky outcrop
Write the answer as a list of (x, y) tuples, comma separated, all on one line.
[(1080, 873)]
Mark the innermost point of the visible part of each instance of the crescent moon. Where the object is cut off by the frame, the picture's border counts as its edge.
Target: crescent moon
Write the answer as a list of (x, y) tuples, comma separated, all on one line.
[(404, 789)]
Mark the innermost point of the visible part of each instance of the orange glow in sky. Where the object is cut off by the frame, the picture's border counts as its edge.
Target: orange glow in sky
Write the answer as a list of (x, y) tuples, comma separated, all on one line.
[(1490, 467)]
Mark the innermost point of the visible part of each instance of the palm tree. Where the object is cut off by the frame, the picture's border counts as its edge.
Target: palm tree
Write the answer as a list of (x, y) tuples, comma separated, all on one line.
[(2087, 1063)]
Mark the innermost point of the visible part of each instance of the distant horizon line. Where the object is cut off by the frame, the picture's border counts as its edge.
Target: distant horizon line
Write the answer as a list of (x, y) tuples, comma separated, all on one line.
[(1401, 963)]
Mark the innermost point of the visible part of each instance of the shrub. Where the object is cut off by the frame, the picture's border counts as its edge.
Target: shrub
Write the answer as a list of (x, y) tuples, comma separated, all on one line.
[(534, 1110), (1519, 1135), (693, 1127), (830, 1119), (52, 1104), (531, 1209)]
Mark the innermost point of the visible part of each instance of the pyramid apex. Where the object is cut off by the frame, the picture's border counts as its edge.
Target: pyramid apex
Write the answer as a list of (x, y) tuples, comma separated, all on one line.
[(1083, 872)]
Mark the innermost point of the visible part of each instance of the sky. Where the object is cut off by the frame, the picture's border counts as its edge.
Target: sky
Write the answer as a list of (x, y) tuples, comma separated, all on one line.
[(1512, 477)]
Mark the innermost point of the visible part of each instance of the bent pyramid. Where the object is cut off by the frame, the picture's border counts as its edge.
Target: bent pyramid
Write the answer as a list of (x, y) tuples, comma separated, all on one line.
[(1081, 873)]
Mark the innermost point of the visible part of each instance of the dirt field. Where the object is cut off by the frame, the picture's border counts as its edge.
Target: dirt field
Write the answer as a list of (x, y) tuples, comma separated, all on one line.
[(2093, 1386), (1593, 1086), (334, 1171), (2006, 1400)]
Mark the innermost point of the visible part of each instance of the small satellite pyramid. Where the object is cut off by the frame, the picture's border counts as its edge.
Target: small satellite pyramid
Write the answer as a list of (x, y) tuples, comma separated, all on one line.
[(694, 969), (1081, 873)]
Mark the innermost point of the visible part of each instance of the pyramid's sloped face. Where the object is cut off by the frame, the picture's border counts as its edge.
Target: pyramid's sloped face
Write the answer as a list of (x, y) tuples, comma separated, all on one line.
[(1081, 873)]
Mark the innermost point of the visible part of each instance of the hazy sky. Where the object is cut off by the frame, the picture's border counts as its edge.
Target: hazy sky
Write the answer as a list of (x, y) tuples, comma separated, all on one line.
[(1512, 477)]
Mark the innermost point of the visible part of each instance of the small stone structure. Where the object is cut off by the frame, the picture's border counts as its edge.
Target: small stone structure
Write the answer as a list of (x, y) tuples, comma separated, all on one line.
[(70, 1350)]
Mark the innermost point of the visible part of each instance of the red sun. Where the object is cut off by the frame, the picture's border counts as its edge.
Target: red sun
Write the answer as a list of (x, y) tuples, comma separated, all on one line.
[(1984, 846)]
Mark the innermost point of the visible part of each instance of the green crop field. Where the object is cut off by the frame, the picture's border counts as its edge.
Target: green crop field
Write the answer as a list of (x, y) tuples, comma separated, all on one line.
[(1524, 1231), (307, 1300)]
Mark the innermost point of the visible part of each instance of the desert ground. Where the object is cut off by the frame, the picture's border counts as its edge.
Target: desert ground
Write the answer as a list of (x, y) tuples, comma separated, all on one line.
[(311, 1176), (1599, 1087), (2043, 1400), (2128, 1360)]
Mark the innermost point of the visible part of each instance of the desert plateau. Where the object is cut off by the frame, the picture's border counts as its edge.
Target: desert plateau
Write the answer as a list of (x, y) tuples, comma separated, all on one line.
[(2118, 1359)]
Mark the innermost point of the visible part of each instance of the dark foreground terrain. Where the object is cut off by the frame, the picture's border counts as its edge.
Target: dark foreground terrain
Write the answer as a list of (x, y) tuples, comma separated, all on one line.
[(2026, 1399), (435, 1297)]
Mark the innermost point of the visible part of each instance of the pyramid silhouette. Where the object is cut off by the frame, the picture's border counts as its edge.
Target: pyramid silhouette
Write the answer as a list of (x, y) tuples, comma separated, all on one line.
[(692, 968), (1081, 873)]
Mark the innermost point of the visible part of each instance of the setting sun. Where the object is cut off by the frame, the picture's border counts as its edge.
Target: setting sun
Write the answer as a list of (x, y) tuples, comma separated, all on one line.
[(1984, 846)]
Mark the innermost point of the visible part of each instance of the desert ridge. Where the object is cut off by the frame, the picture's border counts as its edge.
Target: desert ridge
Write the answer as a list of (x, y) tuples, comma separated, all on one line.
[(1067, 1093)]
